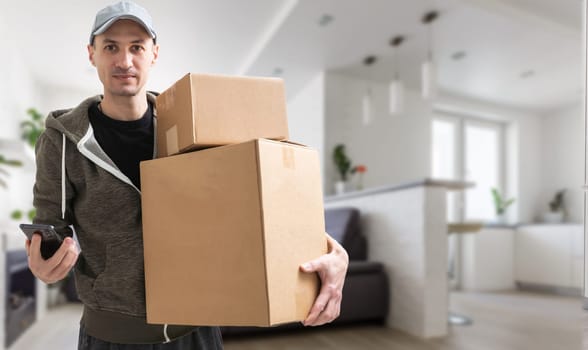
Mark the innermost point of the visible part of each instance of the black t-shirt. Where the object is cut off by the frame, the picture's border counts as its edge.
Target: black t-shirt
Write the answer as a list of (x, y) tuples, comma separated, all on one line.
[(127, 143)]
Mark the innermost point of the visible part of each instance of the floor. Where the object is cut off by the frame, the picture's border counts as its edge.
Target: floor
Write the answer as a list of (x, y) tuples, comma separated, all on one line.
[(502, 321)]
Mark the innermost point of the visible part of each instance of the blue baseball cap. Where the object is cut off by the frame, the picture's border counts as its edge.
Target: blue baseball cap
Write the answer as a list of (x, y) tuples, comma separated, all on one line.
[(122, 10)]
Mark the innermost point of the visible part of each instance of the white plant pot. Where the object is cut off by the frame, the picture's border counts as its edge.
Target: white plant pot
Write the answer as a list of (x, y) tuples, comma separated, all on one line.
[(340, 187), (501, 219), (553, 217)]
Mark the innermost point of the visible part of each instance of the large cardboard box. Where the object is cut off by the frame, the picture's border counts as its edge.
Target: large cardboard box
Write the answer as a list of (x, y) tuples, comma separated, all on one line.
[(225, 230), (201, 111)]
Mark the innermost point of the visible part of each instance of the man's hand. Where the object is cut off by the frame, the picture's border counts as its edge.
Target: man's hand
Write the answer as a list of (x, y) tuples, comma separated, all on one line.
[(55, 268), (331, 269)]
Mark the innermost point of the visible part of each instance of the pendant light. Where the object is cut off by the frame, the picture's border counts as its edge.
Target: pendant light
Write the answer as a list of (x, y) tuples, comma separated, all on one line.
[(428, 70), (396, 88), (367, 99)]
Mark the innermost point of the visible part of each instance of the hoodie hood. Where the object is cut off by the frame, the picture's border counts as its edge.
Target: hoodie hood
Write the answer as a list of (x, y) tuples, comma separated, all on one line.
[(74, 122), (74, 125)]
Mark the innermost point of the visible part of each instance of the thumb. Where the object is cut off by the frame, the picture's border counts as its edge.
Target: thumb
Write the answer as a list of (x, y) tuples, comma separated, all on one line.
[(312, 266)]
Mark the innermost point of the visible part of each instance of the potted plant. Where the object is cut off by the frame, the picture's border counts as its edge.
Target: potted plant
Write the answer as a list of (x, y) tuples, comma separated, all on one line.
[(500, 205), (343, 164), (556, 208)]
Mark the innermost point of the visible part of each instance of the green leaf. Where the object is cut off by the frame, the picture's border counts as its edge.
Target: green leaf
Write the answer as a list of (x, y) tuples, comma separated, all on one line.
[(16, 215), (32, 214), (341, 160), (500, 204), (32, 129), (10, 162)]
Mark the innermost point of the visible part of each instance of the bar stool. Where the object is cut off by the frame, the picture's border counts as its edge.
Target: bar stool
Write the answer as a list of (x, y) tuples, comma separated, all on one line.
[(460, 228)]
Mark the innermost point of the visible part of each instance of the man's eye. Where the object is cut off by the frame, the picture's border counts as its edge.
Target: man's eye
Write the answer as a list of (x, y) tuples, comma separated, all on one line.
[(109, 47), (137, 48)]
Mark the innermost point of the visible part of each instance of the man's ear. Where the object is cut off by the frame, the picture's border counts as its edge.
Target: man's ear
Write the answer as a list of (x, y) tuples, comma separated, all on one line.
[(155, 54), (91, 54)]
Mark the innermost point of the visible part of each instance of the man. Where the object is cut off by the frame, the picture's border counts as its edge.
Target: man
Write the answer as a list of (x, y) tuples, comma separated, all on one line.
[(88, 177)]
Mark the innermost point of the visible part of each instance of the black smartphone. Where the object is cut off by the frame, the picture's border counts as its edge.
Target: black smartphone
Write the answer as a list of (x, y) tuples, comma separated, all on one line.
[(50, 240)]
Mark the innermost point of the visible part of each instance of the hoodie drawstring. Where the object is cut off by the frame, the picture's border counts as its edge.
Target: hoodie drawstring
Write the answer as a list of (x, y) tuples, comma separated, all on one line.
[(63, 178), (167, 340)]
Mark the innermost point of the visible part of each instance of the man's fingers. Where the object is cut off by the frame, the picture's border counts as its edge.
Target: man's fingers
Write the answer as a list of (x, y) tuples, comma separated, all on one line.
[(319, 305), (58, 256), (313, 265), (65, 266), (35, 248), (56, 267), (329, 313)]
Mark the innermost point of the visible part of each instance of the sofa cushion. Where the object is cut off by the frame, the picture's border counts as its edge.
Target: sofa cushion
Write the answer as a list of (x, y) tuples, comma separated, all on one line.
[(344, 226)]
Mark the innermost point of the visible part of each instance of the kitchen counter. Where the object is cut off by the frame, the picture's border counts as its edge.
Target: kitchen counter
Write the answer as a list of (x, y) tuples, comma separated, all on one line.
[(406, 230), (448, 185)]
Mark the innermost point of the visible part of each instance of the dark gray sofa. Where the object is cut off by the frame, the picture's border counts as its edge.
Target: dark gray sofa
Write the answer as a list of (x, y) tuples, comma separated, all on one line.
[(365, 293)]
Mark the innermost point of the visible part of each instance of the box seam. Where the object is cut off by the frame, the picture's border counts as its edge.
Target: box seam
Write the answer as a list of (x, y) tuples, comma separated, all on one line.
[(263, 231), (193, 107)]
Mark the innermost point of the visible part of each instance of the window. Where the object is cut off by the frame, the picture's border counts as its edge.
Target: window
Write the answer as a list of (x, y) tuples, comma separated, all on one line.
[(471, 150)]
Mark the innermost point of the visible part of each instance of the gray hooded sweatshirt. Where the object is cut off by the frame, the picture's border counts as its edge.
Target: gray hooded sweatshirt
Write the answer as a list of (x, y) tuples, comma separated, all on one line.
[(78, 184)]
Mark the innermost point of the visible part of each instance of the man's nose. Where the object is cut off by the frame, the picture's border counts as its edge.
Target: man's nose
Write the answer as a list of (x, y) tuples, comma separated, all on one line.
[(124, 60)]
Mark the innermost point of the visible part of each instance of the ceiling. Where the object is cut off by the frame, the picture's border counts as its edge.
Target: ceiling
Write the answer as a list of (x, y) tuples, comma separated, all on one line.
[(501, 40)]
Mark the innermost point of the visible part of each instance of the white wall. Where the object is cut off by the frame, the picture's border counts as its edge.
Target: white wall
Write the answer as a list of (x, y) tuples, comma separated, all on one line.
[(18, 92), (395, 148), (306, 122), (53, 97), (562, 160)]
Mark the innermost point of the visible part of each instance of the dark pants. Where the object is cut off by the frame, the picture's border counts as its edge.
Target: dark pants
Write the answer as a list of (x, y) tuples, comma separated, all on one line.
[(202, 338)]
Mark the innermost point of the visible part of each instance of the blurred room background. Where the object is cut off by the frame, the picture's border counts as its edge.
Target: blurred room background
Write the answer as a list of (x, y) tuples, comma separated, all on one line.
[(436, 102)]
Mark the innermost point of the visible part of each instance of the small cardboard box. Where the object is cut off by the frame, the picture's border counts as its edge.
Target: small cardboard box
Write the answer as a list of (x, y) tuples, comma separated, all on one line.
[(201, 111), (225, 230)]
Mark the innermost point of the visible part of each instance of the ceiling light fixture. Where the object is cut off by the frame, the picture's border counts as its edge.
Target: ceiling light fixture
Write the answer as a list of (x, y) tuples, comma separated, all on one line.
[(366, 101), (277, 72), (527, 74), (396, 88), (428, 71), (458, 55), (325, 20)]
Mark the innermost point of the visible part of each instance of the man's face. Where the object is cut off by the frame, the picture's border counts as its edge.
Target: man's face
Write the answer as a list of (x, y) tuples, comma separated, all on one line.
[(123, 57)]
